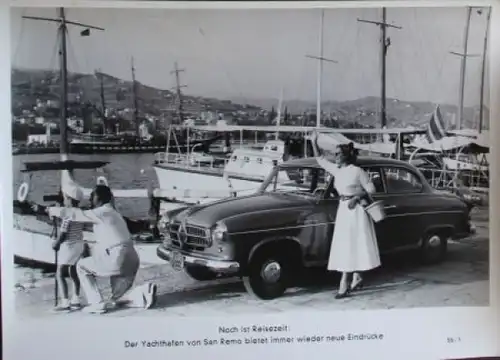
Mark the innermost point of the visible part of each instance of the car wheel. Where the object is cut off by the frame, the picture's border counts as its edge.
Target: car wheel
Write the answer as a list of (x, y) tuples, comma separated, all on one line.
[(267, 276), (434, 247), (200, 273)]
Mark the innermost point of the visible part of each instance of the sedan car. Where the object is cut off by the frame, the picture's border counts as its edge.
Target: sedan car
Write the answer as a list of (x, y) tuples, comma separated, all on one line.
[(287, 225)]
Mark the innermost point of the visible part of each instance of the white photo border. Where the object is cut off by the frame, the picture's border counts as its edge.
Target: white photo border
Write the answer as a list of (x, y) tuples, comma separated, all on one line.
[(408, 333)]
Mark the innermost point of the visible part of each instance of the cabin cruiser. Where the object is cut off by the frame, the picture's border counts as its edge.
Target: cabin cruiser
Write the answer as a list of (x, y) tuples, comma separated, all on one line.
[(214, 178)]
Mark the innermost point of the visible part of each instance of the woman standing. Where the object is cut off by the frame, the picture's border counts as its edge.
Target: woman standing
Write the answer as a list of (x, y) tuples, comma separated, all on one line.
[(354, 245)]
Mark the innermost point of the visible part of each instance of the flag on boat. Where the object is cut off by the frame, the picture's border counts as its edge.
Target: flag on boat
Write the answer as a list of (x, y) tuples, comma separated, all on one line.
[(85, 32), (436, 129)]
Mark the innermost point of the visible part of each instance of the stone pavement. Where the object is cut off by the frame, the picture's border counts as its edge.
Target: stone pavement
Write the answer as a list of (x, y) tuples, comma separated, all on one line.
[(462, 280)]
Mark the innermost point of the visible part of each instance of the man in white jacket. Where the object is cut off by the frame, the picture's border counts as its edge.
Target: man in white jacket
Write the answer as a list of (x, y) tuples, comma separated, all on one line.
[(113, 255)]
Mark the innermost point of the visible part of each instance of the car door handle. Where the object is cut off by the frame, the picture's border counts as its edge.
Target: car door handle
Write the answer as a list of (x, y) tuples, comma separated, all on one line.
[(389, 207)]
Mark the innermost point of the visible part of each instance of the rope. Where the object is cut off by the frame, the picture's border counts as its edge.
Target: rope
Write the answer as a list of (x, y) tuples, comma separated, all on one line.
[(226, 72), (72, 53), (340, 43), (431, 55)]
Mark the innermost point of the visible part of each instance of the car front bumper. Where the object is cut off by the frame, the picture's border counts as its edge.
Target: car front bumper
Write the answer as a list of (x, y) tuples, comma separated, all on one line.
[(219, 266)]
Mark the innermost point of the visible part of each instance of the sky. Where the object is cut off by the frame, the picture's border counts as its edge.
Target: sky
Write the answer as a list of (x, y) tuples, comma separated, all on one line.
[(253, 54)]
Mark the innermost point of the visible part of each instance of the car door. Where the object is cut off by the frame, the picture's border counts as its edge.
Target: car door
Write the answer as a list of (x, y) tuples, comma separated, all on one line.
[(403, 205), (384, 239), (319, 222)]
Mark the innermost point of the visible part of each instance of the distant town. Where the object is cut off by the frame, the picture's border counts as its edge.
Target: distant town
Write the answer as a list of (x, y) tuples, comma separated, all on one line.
[(102, 104)]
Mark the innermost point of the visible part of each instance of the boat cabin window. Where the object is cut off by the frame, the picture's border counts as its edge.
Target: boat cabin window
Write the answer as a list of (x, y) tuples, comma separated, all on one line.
[(259, 160), (399, 180)]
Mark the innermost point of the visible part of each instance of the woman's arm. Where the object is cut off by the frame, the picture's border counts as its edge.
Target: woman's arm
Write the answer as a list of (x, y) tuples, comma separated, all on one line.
[(325, 164), (328, 166), (366, 183), (314, 145)]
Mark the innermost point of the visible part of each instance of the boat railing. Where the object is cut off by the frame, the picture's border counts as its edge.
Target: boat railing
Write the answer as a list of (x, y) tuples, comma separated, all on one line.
[(441, 178), (190, 161), (208, 162)]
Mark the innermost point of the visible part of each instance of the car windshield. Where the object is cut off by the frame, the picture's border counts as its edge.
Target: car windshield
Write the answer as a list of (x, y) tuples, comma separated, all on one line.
[(299, 180)]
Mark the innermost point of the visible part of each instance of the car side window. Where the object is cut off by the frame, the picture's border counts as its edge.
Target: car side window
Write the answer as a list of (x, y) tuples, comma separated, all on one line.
[(376, 178), (399, 180), (302, 178)]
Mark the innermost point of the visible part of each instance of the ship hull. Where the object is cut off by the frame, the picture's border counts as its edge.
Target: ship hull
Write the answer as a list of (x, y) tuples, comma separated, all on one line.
[(89, 148)]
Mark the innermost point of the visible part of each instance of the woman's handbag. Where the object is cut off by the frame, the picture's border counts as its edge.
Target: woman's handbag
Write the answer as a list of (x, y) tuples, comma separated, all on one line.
[(375, 209)]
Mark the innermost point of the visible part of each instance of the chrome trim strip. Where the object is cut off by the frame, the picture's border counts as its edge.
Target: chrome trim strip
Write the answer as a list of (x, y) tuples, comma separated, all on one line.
[(333, 222), (220, 266)]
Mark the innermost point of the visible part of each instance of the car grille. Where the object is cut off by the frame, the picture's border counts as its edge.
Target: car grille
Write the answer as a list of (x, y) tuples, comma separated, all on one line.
[(193, 236)]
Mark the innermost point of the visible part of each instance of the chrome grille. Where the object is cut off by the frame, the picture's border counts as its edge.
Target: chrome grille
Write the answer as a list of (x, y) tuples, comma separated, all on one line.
[(195, 236)]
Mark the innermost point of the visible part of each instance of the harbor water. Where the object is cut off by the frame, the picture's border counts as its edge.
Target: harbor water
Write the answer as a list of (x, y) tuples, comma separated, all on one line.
[(124, 171)]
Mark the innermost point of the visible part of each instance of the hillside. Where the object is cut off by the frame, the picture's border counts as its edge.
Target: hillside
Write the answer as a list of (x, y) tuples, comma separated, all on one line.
[(365, 110), (30, 85)]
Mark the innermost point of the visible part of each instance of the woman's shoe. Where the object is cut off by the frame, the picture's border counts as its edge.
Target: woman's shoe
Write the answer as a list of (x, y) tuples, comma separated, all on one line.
[(342, 295), (357, 286)]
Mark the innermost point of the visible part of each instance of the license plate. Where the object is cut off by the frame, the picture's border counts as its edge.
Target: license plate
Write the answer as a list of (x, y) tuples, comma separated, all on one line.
[(177, 261)]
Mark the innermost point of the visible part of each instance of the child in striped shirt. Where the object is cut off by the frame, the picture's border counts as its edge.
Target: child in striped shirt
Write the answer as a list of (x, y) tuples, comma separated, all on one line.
[(70, 247)]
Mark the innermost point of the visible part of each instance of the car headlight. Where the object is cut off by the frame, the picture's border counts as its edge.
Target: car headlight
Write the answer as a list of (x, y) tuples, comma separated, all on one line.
[(219, 232)]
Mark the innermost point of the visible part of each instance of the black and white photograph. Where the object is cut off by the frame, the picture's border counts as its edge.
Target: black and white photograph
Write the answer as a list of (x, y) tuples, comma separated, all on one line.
[(220, 162)]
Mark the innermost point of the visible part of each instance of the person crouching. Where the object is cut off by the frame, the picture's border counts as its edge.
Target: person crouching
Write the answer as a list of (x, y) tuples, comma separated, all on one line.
[(113, 257)]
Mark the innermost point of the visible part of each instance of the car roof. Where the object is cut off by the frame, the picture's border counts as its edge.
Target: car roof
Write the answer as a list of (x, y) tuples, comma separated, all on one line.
[(311, 162)]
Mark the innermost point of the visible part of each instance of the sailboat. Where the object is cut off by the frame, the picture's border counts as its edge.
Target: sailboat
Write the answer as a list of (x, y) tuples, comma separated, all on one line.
[(32, 232), (462, 152)]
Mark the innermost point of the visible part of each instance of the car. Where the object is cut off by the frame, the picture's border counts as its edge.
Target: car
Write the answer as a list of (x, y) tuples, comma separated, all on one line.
[(267, 238)]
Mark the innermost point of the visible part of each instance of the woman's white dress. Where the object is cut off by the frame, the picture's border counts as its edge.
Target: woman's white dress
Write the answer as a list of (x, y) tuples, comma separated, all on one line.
[(354, 244)]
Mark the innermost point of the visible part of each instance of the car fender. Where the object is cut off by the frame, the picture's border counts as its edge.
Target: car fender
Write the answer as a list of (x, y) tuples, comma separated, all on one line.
[(271, 240)]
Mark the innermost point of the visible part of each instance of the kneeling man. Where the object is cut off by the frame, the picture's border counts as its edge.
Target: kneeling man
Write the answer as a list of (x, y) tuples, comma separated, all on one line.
[(113, 256)]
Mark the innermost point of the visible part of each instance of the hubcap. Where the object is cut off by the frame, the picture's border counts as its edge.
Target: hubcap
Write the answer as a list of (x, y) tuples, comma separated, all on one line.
[(434, 241), (271, 272)]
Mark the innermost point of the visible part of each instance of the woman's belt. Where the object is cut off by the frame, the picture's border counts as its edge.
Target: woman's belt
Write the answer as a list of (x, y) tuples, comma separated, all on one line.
[(346, 197)]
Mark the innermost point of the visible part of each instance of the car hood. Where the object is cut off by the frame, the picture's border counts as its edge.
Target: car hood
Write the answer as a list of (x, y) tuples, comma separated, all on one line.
[(207, 215)]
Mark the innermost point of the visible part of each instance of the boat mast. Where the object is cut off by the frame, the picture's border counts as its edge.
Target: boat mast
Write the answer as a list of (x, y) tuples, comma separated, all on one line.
[(103, 100), (63, 68), (385, 42), (319, 77), (134, 94), (278, 115), (319, 80), (463, 66), (483, 71), (177, 88), (180, 110)]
